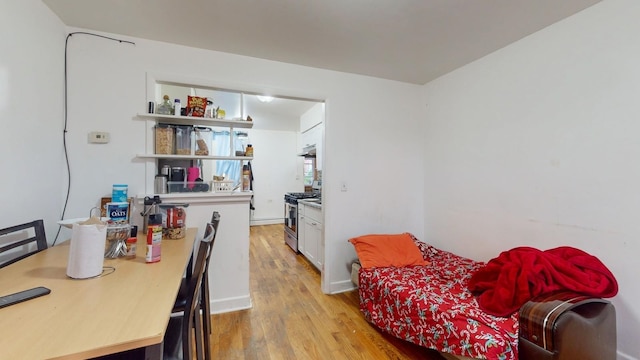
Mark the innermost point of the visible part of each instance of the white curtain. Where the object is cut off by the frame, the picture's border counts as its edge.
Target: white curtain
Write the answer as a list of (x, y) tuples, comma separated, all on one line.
[(231, 168)]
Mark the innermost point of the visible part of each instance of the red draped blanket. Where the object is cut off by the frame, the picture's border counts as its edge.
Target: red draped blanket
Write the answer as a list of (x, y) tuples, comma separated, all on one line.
[(516, 276)]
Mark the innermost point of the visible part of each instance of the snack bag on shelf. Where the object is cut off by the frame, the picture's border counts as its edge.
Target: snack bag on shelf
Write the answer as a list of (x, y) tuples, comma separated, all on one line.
[(196, 106)]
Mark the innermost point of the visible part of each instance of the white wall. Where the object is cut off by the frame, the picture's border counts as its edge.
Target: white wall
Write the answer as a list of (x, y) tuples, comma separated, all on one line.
[(365, 117), (533, 145), (276, 171), (31, 114), (537, 144)]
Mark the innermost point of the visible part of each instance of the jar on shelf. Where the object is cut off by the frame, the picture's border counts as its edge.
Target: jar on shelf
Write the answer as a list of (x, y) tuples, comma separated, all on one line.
[(183, 140), (164, 139), (204, 140), (165, 107), (246, 178), (220, 113), (209, 111), (249, 151)]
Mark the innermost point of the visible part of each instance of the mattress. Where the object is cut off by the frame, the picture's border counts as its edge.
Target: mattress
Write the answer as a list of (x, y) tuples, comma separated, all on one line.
[(431, 306)]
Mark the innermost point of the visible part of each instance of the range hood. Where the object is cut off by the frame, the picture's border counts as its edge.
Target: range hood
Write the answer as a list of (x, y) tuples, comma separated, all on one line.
[(308, 151)]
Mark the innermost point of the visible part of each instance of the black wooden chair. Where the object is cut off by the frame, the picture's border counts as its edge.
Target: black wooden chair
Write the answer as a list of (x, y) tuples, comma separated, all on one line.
[(204, 304), (16, 242), (178, 343)]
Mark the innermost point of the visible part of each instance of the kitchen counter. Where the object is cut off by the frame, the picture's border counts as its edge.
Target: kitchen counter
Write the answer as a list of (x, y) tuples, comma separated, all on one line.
[(201, 197), (230, 290), (311, 202), (311, 231)]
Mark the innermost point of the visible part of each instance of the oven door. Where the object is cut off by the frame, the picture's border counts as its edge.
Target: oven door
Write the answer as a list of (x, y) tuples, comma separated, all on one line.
[(291, 225), (291, 217)]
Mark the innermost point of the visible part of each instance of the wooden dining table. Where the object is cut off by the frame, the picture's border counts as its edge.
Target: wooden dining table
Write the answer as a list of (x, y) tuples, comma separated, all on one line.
[(124, 309)]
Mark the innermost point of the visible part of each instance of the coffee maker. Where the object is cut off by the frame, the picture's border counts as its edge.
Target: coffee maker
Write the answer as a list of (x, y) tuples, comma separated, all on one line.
[(170, 179), (151, 212)]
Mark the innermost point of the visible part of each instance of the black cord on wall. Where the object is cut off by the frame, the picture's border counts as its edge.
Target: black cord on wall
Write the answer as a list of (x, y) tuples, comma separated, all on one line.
[(64, 131)]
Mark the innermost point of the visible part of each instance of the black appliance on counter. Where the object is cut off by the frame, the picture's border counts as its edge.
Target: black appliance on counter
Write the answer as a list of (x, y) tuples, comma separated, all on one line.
[(291, 218)]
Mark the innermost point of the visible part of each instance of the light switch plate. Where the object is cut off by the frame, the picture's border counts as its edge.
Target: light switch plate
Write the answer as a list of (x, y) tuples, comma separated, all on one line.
[(98, 137), (343, 187)]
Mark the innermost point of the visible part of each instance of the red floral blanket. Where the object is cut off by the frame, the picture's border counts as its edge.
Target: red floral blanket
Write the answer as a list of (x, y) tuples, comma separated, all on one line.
[(432, 306), (516, 276)]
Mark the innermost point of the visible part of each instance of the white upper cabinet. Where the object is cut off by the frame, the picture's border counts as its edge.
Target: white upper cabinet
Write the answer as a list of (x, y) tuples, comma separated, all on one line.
[(312, 117), (312, 131), (311, 137)]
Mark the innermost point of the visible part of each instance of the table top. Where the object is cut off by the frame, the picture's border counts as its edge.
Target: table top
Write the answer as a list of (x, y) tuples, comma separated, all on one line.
[(124, 310)]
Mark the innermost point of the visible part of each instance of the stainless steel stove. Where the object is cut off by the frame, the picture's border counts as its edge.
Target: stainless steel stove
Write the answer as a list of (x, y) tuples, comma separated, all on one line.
[(291, 217)]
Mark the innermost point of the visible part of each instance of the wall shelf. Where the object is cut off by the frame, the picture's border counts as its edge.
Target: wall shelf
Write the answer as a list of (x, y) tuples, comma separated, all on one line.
[(206, 163), (190, 120), (190, 157), (203, 197)]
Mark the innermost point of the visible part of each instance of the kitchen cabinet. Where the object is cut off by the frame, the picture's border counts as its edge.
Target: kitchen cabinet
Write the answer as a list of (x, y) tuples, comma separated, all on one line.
[(313, 137), (312, 131), (310, 137), (154, 119), (313, 239), (312, 117)]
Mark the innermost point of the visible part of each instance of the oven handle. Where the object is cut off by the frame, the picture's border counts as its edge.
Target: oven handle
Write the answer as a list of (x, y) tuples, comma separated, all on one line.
[(291, 205)]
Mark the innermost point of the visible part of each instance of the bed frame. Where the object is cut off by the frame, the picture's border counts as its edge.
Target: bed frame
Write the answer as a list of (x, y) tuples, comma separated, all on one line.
[(559, 326)]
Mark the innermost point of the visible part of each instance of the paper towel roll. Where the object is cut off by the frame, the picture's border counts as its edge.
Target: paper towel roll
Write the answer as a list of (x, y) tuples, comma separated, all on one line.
[(86, 252)]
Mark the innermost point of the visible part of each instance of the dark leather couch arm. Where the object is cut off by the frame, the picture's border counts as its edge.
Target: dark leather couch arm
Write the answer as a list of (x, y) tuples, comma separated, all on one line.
[(567, 326)]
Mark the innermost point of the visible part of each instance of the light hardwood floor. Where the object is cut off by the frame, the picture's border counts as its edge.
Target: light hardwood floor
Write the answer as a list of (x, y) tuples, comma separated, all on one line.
[(292, 319)]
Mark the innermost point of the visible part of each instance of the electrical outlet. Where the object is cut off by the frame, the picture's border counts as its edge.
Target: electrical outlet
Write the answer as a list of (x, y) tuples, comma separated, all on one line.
[(98, 137)]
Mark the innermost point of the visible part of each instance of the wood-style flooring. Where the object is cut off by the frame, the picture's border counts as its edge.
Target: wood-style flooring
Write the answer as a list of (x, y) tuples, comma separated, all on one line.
[(292, 319)]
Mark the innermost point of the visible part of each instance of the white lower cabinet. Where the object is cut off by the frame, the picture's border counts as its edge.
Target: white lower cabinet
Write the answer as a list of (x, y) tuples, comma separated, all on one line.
[(313, 244)]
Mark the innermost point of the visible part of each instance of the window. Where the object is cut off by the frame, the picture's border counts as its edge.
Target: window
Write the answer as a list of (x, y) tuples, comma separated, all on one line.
[(309, 171), (230, 168)]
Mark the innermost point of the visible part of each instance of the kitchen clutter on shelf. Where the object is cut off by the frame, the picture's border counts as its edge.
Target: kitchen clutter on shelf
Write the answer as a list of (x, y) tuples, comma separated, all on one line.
[(197, 144), (178, 179), (197, 106), (98, 237), (114, 235), (171, 216)]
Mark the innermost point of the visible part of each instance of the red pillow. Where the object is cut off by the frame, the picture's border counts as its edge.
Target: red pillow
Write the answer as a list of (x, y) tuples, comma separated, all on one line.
[(387, 251)]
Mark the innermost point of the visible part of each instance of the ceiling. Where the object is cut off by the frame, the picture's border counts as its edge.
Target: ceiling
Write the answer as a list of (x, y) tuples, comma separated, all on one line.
[(412, 41)]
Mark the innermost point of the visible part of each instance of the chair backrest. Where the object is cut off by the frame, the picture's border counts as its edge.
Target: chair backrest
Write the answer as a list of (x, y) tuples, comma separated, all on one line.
[(194, 284), (215, 221), (16, 242), (212, 226)]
